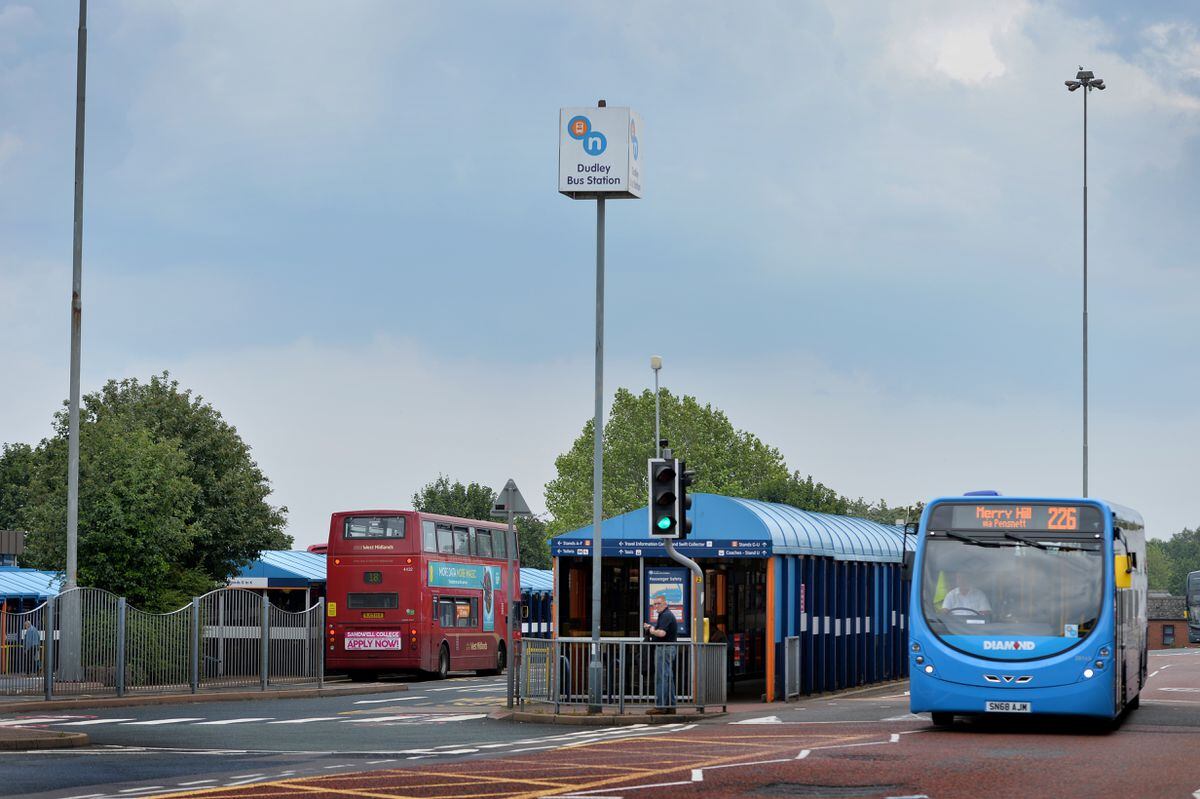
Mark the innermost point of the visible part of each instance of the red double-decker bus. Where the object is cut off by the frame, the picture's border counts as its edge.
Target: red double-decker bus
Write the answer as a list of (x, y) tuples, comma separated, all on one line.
[(417, 591)]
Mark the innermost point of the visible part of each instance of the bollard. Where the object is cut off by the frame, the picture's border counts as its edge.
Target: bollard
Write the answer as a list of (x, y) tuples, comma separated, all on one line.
[(48, 659)]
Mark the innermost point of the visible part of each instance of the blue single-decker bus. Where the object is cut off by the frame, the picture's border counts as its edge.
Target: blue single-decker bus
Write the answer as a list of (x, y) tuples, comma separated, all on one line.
[(1027, 605)]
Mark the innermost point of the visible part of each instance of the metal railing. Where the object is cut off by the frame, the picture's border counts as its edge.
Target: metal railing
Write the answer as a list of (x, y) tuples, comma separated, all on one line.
[(90, 642), (637, 674)]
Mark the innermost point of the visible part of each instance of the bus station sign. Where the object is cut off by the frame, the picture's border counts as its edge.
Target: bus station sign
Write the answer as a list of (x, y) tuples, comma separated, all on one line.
[(599, 153)]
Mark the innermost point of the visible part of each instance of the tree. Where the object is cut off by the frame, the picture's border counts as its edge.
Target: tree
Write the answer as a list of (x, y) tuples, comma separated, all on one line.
[(233, 520), (170, 501), (134, 501), (16, 470), (474, 501), (726, 461), (1168, 562)]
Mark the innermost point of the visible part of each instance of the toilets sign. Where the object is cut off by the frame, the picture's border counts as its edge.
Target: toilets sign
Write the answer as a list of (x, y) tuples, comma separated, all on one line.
[(599, 153)]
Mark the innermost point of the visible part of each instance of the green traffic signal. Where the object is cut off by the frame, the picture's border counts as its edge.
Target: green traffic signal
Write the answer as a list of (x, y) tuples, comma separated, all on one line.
[(664, 523)]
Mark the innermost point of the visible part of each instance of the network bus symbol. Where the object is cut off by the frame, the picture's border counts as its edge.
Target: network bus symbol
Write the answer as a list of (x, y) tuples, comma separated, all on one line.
[(593, 141)]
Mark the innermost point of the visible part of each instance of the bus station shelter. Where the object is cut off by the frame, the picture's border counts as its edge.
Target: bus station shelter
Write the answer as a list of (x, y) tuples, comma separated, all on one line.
[(25, 589), (537, 602), (806, 602), (292, 580)]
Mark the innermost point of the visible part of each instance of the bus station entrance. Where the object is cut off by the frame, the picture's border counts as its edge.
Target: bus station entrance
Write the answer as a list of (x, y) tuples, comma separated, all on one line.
[(804, 602)]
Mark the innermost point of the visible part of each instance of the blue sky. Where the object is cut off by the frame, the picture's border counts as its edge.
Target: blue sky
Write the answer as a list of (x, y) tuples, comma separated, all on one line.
[(339, 223)]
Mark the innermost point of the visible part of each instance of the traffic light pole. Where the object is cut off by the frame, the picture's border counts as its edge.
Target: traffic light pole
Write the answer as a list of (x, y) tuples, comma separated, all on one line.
[(596, 666), (698, 577)]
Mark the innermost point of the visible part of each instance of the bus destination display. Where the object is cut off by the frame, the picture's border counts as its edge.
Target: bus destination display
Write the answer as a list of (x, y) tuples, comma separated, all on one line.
[(1052, 518)]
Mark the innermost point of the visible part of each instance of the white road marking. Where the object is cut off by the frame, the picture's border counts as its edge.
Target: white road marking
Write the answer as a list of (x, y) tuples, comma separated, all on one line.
[(32, 720), (84, 796), (380, 701), (803, 754), (245, 776), (162, 721), (762, 720), (234, 721), (697, 775), (895, 739), (462, 717), (89, 722), (197, 782), (377, 762), (381, 718), (306, 721), (141, 790)]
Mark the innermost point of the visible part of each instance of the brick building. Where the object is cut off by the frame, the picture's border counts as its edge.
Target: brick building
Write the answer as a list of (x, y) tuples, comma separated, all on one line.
[(1168, 620)]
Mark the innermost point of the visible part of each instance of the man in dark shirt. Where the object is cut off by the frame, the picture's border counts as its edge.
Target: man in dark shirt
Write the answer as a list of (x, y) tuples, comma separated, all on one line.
[(665, 631)]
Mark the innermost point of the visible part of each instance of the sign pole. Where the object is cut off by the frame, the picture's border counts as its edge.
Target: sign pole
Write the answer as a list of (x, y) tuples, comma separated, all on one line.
[(513, 606), (596, 667), (599, 156)]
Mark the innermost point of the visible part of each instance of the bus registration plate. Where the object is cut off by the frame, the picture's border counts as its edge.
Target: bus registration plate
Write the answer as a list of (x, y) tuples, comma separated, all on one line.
[(373, 639), (1008, 707)]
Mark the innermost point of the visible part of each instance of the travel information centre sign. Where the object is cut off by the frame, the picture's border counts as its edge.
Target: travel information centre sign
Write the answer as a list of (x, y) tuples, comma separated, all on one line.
[(599, 153)]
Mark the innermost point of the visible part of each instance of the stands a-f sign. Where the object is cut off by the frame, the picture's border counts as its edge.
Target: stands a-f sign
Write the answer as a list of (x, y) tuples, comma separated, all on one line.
[(599, 153)]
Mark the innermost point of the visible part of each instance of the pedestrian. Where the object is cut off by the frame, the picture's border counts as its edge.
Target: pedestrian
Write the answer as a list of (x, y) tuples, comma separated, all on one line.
[(665, 631), (32, 639)]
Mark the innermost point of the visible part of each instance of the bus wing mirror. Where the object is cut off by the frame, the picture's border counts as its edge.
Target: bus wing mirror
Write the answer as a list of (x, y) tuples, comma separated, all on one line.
[(910, 528), (906, 567)]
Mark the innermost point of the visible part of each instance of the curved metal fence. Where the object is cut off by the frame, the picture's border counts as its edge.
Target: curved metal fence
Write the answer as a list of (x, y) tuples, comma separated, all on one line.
[(87, 641)]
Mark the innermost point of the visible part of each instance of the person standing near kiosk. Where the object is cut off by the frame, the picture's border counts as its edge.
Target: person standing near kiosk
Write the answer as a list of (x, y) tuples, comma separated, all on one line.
[(665, 631)]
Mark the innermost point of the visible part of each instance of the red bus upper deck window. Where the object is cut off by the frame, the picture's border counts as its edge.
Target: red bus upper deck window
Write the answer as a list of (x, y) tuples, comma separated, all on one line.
[(373, 527)]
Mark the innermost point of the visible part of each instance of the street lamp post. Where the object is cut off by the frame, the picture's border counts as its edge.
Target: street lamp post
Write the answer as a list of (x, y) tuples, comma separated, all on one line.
[(656, 364), (1086, 80)]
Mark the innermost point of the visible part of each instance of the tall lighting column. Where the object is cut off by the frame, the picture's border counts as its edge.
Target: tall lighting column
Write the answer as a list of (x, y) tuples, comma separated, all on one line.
[(1086, 80), (656, 365)]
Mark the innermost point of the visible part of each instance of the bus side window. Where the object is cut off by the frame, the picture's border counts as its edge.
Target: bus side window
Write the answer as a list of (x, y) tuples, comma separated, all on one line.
[(446, 613), (429, 536), (466, 612), (462, 541), (445, 539), (498, 547), (483, 543)]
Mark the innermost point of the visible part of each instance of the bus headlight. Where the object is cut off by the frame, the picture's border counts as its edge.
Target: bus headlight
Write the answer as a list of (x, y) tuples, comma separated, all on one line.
[(1087, 673), (920, 659), (1104, 651), (916, 647), (929, 669), (1099, 664)]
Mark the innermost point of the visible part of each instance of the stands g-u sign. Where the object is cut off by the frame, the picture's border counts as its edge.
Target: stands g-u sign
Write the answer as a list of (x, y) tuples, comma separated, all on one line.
[(599, 153)]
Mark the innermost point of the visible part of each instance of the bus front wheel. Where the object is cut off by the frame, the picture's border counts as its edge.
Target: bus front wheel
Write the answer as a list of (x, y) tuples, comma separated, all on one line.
[(943, 719), (443, 667)]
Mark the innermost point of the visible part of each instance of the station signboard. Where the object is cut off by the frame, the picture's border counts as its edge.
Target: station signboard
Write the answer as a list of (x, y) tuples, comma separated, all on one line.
[(600, 153)]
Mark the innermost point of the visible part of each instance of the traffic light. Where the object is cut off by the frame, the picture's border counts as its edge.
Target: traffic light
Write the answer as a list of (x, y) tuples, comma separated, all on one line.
[(663, 476), (684, 478)]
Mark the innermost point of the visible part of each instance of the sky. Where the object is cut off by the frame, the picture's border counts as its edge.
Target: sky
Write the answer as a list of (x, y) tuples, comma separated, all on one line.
[(860, 237)]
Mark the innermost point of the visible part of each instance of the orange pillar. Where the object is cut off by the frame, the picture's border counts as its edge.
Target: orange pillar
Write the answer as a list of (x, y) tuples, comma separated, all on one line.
[(771, 629)]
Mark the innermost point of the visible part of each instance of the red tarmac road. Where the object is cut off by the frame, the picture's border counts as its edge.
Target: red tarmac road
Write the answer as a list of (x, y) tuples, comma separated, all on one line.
[(1153, 754)]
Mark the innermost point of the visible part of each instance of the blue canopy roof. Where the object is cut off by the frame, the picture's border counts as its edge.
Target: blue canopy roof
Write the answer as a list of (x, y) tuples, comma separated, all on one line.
[(282, 569), (536, 580), (27, 584), (733, 527)]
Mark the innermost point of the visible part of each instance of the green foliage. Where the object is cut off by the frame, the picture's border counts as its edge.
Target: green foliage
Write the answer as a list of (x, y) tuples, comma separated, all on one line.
[(474, 501), (16, 470), (170, 502), (134, 499), (726, 461), (1168, 562)]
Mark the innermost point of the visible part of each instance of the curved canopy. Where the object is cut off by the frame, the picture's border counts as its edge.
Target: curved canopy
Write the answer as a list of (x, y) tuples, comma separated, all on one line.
[(28, 584), (734, 527), (537, 580), (281, 569)]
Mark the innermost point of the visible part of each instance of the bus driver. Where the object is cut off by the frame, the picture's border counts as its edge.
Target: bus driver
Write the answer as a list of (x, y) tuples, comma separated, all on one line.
[(966, 596)]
